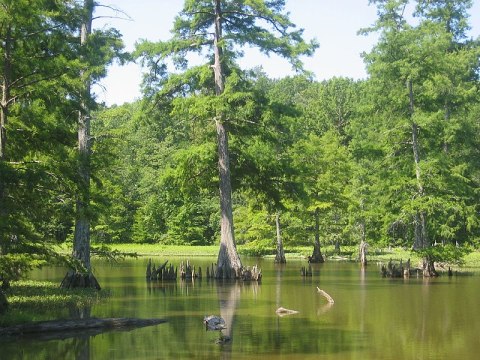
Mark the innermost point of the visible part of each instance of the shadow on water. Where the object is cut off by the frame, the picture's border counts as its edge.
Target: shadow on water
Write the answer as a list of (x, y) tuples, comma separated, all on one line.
[(70, 344)]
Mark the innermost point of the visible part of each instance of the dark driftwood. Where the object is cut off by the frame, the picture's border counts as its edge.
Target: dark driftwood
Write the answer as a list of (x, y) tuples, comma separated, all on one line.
[(62, 326)]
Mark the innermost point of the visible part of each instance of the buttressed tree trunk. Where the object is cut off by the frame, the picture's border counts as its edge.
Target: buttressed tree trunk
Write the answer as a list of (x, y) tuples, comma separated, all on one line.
[(228, 262)]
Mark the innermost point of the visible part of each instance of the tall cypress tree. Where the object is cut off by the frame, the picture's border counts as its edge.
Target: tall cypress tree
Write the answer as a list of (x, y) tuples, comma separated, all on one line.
[(97, 49), (219, 29), (35, 54), (413, 69)]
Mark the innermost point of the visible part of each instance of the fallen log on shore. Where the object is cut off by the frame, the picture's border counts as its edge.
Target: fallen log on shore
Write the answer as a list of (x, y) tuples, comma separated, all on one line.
[(61, 326)]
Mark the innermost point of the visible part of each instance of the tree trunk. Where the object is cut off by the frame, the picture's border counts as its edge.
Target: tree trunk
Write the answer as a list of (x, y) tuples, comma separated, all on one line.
[(420, 219), (4, 105), (6, 99), (228, 262), (421, 238), (429, 268), (363, 253), (280, 257), (3, 302), (81, 239), (317, 253), (363, 245)]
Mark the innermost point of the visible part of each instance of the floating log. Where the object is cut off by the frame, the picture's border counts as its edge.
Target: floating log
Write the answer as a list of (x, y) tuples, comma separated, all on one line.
[(58, 326), (281, 311), (324, 293)]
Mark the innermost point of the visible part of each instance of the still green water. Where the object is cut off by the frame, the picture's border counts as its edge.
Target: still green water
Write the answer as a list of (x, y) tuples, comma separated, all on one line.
[(372, 318)]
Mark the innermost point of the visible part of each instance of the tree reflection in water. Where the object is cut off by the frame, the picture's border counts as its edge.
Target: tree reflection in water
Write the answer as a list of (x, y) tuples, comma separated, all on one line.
[(228, 297)]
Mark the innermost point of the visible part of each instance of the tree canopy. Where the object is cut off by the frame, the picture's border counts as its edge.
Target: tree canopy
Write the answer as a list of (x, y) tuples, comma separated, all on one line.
[(392, 159)]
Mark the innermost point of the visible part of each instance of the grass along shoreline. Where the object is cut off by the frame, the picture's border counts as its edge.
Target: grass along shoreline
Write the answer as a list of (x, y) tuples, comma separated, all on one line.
[(347, 253), (31, 300)]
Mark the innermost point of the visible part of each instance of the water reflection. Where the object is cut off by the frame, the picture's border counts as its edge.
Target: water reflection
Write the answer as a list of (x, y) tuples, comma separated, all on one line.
[(164, 288), (372, 317), (228, 294)]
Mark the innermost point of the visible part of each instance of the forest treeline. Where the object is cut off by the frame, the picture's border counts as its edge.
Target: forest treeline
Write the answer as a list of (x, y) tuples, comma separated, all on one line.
[(393, 159)]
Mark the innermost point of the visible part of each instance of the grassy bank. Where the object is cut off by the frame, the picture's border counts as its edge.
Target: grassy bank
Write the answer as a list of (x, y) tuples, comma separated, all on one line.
[(40, 300), (348, 253), (166, 250)]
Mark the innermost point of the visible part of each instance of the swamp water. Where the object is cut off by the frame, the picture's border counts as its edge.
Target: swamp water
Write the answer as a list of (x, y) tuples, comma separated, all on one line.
[(372, 318)]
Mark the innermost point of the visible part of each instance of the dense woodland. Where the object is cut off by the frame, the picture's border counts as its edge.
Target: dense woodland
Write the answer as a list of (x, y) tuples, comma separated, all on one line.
[(389, 160)]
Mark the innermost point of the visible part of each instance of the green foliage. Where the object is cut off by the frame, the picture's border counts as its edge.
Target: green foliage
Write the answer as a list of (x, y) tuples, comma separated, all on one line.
[(339, 149), (450, 253), (254, 225), (433, 56), (258, 248), (41, 60)]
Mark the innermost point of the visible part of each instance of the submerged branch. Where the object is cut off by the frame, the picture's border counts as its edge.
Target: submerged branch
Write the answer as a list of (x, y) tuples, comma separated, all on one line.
[(328, 297), (281, 311)]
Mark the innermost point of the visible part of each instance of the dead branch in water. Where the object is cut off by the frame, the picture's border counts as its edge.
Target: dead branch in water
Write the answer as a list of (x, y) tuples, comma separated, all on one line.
[(281, 311), (328, 297)]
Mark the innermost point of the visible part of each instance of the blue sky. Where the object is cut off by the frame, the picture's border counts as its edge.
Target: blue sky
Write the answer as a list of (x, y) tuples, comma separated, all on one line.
[(334, 23)]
